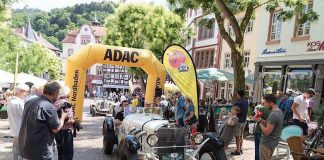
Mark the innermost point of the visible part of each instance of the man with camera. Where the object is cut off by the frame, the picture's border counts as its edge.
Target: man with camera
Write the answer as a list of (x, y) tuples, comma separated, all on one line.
[(40, 122), (64, 138)]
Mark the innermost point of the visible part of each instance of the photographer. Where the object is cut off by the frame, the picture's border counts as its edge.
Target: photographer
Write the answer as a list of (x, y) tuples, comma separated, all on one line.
[(39, 124), (64, 138)]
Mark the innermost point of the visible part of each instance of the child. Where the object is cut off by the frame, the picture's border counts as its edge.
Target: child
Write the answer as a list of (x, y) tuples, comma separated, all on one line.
[(230, 121)]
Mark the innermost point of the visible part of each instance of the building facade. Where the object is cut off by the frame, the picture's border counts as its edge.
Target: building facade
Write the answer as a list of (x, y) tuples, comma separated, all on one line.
[(291, 55), (74, 41), (204, 47), (29, 35)]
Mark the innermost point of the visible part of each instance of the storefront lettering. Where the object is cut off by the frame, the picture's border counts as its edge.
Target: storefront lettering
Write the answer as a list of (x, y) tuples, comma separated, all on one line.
[(315, 46), (120, 56), (277, 51)]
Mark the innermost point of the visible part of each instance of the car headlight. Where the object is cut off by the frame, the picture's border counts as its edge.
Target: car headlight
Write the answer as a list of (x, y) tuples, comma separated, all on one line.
[(152, 139), (198, 138)]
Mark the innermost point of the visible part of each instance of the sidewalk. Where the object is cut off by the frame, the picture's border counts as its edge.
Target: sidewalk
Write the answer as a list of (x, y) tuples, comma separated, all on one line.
[(5, 143), (88, 144)]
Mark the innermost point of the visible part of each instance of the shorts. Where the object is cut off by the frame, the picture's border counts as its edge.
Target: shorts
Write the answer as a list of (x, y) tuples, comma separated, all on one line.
[(239, 129), (265, 152)]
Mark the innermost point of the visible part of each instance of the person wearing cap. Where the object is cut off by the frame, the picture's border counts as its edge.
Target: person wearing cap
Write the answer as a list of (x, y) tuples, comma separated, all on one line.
[(15, 112), (300, 109)]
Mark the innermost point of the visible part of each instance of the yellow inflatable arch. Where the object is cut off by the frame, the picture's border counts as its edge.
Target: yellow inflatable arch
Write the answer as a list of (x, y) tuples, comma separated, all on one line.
[(78, 63)]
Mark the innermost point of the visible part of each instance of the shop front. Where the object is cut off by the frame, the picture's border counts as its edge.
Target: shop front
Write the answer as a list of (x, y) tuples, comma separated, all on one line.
[(291, 75)]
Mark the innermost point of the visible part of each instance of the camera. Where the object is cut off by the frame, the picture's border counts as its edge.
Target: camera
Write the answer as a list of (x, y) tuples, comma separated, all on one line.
[(64, 106)]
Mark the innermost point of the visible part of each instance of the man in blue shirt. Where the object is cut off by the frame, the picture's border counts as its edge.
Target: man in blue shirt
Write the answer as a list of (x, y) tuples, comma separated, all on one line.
[(239, 130), (180, 108)]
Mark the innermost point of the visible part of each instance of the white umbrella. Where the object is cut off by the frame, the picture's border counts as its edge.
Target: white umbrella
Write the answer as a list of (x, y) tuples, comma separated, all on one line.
[(23, 78), (258, 91), (6, 77)]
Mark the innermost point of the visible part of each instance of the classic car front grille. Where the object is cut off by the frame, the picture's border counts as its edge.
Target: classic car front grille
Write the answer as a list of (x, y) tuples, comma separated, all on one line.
[(169, 137)]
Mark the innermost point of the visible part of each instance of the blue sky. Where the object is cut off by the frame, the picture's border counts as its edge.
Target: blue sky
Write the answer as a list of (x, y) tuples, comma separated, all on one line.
[(47, 5)]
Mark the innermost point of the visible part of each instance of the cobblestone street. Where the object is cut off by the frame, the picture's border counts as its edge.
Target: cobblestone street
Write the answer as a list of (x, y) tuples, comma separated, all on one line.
[(88, 143)]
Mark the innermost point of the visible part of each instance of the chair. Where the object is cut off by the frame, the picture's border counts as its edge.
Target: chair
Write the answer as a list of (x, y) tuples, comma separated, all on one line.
[(296, 148), (295, 144)]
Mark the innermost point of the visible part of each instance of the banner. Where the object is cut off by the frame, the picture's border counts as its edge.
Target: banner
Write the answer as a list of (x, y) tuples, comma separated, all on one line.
[(179, 65), (78, 63)]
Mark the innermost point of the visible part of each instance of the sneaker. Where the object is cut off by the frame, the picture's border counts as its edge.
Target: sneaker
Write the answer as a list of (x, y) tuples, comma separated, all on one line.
[(241, 151), (236, 153)]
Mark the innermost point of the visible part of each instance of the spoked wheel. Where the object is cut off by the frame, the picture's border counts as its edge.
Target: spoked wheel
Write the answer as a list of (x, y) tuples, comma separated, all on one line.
[(207, 156)]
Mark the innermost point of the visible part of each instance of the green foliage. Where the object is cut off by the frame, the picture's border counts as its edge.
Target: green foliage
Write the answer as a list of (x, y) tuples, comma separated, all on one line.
[(33, 58), (319, 114), (143, 26), (54, 25)]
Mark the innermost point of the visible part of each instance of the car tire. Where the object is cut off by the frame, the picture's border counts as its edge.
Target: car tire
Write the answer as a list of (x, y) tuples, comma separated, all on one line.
[(209, 150), (108, 142)]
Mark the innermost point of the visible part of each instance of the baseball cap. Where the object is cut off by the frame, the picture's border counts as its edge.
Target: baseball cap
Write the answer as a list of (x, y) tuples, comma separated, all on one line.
[(311, 91), (163, 96)]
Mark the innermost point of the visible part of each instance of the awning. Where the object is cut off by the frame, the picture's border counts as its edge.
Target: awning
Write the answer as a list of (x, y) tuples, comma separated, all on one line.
[(24, 77), (115, 86), (96, 81), (6, 77)]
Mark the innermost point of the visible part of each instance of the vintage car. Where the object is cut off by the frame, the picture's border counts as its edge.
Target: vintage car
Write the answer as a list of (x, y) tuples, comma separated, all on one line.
[(148, 136), (100, 106)]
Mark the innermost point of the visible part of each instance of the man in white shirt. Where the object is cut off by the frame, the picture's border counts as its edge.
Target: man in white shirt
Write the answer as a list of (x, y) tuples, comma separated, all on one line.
[(300, 110), (15, 112)]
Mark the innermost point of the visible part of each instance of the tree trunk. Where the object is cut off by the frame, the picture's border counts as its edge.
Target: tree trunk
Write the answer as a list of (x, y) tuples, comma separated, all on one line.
[(143, 86), (238, 68)]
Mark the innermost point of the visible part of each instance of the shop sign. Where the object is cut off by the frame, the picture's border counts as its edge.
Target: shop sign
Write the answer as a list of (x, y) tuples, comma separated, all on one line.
[(276, 51), (315, 46)]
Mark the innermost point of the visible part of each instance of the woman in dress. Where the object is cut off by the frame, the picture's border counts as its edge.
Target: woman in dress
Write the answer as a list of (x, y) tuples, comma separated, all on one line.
[(189, 119), (230, 121)]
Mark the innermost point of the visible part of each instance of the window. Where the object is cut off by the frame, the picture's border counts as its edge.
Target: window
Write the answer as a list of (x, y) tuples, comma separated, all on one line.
[(99, 70), (303, 29), (206, 33), (228, 61), (275, 27), (249, 27), (201, 64), (85, 39), (70, 52), (246, 59), (211, 58)]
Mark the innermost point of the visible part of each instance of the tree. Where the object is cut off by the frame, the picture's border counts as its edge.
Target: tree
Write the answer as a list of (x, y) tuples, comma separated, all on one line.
[(227, 9), (143, 26), (33, 58), (4, 9), (55, 24)]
